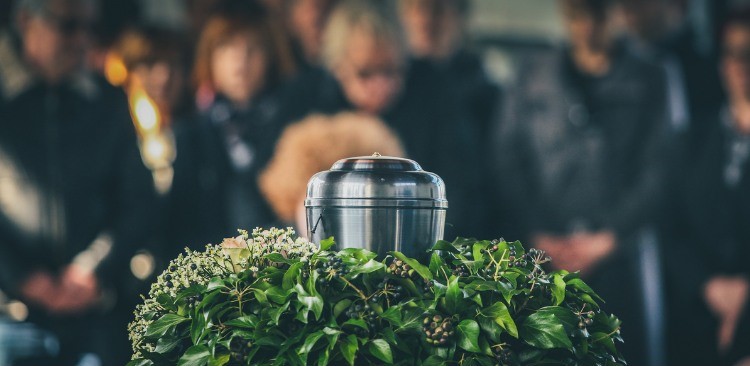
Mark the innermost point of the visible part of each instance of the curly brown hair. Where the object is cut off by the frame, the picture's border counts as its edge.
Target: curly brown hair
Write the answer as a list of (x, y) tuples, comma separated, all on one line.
[(313, 145)]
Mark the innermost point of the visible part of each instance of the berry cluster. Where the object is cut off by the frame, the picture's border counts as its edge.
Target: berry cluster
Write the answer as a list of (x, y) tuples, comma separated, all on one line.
[(504, 356), (364, 312), (193, 300), (586, 318), (400, 268), (460, 271), (389, 291), (438, 329), (333, 269), (239, 349)]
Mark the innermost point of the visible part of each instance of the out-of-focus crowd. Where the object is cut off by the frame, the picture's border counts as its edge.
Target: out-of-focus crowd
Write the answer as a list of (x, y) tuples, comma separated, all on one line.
[(624, 153)]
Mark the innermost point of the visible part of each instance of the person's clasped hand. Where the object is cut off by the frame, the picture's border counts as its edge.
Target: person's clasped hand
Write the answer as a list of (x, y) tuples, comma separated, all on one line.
[(579, 251), (74, 291), (726, 297)]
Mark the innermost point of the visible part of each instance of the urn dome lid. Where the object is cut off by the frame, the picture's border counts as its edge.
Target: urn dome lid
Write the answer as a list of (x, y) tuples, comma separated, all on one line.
[(376, 181)]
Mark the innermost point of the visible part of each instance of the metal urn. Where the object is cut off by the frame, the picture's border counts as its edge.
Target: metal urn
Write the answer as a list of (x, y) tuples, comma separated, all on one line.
[(379, 203)]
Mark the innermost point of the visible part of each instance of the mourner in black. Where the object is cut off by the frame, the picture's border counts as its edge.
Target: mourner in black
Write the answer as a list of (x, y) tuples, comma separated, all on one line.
[(580, 159), (75, 198)]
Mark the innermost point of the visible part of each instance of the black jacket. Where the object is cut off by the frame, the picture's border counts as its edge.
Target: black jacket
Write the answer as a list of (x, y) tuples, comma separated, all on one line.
[(70, 172), (214, 193), (573, 152)]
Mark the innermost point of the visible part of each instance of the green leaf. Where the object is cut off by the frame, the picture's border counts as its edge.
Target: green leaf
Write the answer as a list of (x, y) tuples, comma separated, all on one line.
[(445, 246), (140, 362), (566, 316), (368, 267), (247, 322), (500, 314), (291, 275), (310, 342), (453, 295), (605, 340), (277, 295), (197, 355), (434, 361), (393, 316), (413, 263), (199, 326), (164, 325), (219, 361), (468, 335), (578, 284), (381, 350), (166, 344), (558, 288), (340, 307), (326, 244), (436, 262), (348, 347), (311, 302), (544, 330)]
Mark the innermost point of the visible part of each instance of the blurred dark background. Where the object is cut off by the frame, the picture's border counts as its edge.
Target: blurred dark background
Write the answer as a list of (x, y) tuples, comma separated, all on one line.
[(613, 134)]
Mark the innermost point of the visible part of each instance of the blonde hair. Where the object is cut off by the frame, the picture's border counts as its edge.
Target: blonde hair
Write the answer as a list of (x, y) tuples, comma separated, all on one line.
[(313, 145), (378, 18)]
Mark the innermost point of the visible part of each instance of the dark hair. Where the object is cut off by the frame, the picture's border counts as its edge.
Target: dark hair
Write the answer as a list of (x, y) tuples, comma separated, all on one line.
[(597, 8), (148, 45), (736, 16)]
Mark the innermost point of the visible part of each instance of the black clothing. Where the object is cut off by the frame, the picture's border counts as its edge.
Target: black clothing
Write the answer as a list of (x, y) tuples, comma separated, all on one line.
[(465, 78), (431, 128), (71, 183), (577, 153), (220, 153), (708, 235)]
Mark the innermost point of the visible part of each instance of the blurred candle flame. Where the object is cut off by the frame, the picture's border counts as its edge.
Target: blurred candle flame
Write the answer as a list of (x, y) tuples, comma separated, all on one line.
[(145, 112), (114, 69)]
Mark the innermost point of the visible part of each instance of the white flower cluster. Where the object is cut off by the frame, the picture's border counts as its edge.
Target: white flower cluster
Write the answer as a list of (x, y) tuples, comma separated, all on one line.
[(244, 252)]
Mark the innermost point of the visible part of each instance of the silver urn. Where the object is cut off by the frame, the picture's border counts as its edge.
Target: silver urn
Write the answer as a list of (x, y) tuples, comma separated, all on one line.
[(379, 203)]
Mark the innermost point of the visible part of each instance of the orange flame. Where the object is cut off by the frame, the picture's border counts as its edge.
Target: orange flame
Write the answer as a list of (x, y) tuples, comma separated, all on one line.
[(145, 113), (114, 69)]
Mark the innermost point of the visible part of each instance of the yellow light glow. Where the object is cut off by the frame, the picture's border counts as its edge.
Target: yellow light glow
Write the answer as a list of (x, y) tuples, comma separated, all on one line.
[(114, 69), (145, 113)]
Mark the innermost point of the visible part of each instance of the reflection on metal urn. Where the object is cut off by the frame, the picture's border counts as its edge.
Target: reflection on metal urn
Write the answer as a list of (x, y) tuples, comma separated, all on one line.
[(378, 203)]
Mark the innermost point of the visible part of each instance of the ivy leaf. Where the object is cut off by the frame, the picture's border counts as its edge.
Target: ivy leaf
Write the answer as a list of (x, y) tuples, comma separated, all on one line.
[(545, 331), (164, 325), (381, 350), (247, 321), (348, 347), (453, 295), (500, 314), (197, 355), (445, 246), (219, 361), (434, 361), (558, 288), (436, 263), (413, 263), (368, 267), (166, 344), (340, 307), (605, 340), (279, 258), (566, 316), (140, 362), (393, 316), (291, 275), (468, 335), (309, 344), (326, 244), (199, 326)]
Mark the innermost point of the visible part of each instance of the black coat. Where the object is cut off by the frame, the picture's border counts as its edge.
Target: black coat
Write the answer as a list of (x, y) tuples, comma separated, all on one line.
[(431, 127), (211, 197), (573, 152)]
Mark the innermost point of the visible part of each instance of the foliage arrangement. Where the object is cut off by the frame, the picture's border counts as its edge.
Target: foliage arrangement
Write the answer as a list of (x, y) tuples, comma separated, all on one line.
[(269, 298)]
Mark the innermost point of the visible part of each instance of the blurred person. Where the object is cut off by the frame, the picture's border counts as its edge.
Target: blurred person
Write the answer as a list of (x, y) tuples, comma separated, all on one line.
[(305, 20), (579, 156), (153, 58), (313, 145), (240, 62), (74, 194), (709, 232), (436, 37), (660, 32), (367, 71)]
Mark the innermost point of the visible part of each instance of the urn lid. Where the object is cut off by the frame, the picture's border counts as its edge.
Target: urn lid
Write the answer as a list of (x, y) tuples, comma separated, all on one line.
[(376, 181)]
